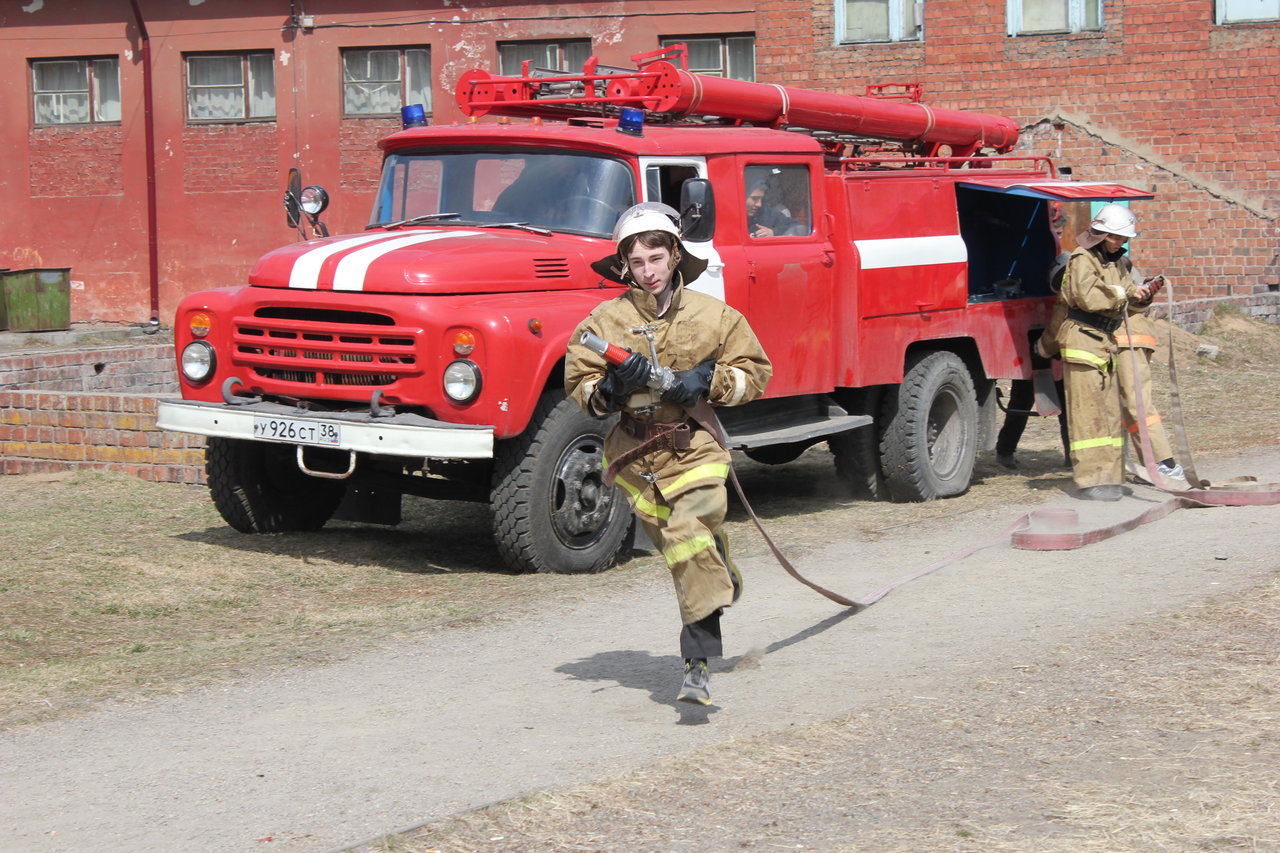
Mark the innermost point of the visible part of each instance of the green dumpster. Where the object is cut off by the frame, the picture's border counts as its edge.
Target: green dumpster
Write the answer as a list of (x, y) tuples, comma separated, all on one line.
[(35, 300)]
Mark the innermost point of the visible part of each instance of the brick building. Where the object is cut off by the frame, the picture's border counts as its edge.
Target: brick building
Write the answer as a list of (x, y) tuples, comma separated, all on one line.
[(240, 92), (1178, 95)]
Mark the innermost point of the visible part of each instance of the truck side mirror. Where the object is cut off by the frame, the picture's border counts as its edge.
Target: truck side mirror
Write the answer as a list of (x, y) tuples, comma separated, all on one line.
[(292, 209), (697, 210)]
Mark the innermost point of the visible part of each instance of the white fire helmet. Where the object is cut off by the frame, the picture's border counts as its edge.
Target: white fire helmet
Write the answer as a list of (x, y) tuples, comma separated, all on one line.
[(1115, 219), (646, 216)]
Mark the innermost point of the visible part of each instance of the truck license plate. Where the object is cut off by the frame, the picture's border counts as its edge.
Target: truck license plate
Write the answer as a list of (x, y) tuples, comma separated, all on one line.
[(301, 432)]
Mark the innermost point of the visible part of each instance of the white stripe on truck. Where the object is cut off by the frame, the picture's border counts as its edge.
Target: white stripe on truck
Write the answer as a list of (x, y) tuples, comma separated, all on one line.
[(912, 252)]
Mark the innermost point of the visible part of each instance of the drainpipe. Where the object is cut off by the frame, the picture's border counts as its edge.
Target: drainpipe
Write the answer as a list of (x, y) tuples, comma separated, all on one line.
[(149, 134)]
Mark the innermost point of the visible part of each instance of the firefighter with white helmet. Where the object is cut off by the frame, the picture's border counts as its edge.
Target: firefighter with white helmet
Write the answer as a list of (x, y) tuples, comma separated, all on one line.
[(1095, 290), (672, 471), (1133, 369)]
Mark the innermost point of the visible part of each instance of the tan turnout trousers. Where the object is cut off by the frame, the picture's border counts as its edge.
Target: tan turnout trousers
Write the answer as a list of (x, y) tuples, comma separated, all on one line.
[(1138, 345), (1099, 286)]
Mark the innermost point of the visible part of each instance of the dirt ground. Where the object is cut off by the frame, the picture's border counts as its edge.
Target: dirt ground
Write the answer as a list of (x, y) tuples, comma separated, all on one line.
[(1116, 698)]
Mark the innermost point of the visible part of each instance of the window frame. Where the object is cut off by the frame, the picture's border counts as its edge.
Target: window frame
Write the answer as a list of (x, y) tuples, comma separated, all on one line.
[(560, 45), (898, 25), (92, 90), (726, 68), (246, 86), (1221, 18), (404, 66), (1077, 19)]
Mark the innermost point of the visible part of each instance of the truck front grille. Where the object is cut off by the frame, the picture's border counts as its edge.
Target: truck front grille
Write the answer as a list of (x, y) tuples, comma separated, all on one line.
[(316, 347)]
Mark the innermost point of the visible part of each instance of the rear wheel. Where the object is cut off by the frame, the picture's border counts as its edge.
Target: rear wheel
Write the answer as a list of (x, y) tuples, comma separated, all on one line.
[(552, 511), (258, 488), (930, 429)]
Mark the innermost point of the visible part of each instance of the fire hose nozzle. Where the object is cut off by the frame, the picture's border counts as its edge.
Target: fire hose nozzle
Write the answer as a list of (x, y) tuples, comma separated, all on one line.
[(660, 378), (598, 345)]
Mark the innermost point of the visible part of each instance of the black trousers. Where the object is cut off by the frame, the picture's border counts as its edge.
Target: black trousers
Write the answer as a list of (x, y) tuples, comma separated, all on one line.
[(1022, 395), (701, 639)]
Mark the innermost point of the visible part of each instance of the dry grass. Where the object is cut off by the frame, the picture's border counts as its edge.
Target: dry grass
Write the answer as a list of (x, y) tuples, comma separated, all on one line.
[(111, 585), (1170, 745)]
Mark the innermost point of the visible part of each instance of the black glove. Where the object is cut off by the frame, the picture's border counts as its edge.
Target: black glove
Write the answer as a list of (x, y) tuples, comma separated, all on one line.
[(691, 384), (622, 380)]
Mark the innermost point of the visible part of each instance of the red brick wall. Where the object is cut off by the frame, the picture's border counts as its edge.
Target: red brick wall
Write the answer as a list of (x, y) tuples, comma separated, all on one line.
[(230, 158), (76, 161), (42, 431), (1162, 98), (359, 154)]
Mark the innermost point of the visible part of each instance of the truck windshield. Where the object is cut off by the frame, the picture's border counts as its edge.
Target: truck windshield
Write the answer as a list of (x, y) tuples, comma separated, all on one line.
[(577, 193)]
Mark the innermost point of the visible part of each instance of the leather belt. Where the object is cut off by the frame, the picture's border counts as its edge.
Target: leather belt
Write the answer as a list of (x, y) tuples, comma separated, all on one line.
[(1101, 322), (669, 436), (652, 437)]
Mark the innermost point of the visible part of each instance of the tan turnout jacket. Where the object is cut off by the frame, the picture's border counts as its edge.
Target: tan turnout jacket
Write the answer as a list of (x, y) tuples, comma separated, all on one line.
[(695, 328)]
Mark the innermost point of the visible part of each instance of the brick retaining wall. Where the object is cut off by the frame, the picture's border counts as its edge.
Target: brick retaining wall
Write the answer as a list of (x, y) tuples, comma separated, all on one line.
[(1192, 314), (94, 410), (124, 369), (43, 431)]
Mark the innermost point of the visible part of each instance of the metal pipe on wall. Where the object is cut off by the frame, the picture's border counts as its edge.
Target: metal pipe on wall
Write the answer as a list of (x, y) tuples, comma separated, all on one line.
[(148, 124)]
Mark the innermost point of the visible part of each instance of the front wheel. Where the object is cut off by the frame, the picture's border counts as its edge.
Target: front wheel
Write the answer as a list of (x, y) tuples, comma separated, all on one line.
[(258, 488), (552, 511), (930, 433)]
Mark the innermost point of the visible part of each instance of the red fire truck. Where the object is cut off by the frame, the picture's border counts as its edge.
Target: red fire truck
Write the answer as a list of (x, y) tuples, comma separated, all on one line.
[(893, 259)]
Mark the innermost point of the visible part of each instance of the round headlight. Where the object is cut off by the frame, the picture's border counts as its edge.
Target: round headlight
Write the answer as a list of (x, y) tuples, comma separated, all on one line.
[(198, 361), (313, 200), (462, 380)]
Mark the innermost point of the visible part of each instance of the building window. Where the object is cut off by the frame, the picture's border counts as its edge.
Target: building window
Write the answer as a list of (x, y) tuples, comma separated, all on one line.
[(547, 55), (1237, 11), (879, 20), (720, 56), (1054, 16), (75, 91), (379, 82), (231, 87)]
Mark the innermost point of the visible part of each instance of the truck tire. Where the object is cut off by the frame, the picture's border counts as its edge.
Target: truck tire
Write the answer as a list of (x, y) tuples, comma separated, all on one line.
[(551, 509), (258, 488), (930, 432), (856, 453)]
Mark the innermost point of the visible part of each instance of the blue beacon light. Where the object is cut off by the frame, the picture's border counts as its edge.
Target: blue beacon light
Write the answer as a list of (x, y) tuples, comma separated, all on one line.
[(631, 121), (413, 116)]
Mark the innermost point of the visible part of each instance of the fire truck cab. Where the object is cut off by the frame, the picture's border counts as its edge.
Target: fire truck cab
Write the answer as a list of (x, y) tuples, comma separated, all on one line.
[(893, 260)]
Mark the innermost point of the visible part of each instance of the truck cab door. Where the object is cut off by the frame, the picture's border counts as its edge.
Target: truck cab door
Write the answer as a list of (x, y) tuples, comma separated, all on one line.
[(776, 207), (663, 177)]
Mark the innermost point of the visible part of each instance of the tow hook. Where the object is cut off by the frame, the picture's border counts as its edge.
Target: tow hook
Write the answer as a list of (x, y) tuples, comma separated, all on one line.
[(231, 399), (327, 475)]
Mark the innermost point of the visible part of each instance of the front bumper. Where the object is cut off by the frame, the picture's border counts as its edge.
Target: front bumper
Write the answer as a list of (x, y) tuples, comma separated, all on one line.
[(400, 434)]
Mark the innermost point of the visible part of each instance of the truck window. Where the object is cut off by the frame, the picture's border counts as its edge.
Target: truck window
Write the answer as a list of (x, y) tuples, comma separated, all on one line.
[(777, 201), (663, 182), (564, 192)]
